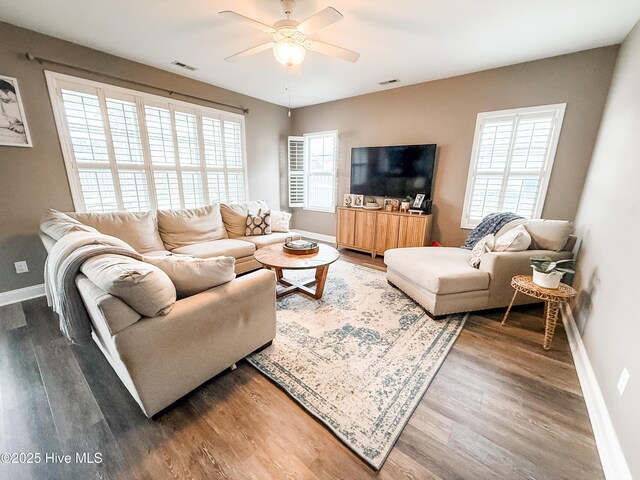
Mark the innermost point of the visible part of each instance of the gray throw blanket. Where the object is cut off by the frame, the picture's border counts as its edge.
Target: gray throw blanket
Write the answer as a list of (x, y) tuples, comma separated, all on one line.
[(492, 223), (61, 268)]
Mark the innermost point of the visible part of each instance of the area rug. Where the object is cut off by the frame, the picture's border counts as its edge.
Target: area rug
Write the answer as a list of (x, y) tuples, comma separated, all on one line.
[(359, 359)]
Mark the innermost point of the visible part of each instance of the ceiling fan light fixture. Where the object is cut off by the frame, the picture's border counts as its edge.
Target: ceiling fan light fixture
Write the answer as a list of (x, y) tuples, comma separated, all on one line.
[(289, 53)]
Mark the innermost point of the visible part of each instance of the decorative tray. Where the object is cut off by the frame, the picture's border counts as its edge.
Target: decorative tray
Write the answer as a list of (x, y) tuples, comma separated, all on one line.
[(372, 208), (300, 247)]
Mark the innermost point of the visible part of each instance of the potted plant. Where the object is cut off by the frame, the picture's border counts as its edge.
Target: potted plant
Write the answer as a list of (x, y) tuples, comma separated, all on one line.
[(548, 273), (406, 203)]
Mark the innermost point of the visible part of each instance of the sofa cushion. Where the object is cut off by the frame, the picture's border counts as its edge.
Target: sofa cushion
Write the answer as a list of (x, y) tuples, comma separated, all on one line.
[(179, 228), (263, 240), (549, 234), (227, 247), (137, 229), (280, 221), (440, 270), (515, 240), (142, 286), (234, 215), (192, 275), (57, 224), (259, 224)]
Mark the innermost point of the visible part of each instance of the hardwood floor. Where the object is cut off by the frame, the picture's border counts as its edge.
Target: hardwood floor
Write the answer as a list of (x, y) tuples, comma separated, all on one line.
[(499, 408)]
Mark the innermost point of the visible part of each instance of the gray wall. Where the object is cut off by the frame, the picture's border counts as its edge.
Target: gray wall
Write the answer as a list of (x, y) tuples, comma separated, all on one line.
[(444, 112), (34, 179), (607, 275)]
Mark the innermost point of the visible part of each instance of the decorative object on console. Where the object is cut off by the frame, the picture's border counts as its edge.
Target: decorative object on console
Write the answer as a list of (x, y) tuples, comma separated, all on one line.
[(259, 224), (548, 273), (14, 131), (406, 204), (395, 203), (360, 360), (348, 200), (417, 203), (371, 204), (388, 204), (358, 200)]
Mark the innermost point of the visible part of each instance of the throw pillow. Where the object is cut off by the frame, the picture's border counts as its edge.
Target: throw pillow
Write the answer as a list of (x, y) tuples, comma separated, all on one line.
[(549, 234), (234, 215), (515, 240), (181, 228), (57, 224), (191, 275), (259, 224), (145, 288), (280, 221), (480, 248), (138, 229)]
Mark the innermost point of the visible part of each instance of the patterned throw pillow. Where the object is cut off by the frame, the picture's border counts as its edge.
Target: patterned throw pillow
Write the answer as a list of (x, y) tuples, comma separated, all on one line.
[(483, 246), (259, 224)]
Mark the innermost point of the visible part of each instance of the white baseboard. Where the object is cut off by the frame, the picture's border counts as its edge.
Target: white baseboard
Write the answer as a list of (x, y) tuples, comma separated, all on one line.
[(611, 455), (21, 294), (316, 236)]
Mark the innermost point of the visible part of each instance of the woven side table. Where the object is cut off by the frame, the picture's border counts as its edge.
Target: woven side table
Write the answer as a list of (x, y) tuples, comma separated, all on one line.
[(552, 298)]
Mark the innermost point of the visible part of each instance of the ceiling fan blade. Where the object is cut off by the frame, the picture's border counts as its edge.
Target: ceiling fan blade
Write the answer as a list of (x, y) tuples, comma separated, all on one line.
[(250, 51), (333, 51), (249, 21), (322, 19)]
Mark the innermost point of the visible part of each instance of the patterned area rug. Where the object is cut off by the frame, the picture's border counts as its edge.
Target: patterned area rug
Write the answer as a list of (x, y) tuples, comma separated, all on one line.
[(360, 359)]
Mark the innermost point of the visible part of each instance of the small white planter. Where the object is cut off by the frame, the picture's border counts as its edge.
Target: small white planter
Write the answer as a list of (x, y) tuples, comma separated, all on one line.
[(547, 280)]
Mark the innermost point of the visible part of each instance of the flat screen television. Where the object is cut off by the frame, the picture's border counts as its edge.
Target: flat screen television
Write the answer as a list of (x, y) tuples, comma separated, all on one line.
[(394, 171)]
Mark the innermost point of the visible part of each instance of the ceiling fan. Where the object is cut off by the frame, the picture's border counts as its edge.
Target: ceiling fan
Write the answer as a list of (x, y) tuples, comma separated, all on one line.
[(290, 38)]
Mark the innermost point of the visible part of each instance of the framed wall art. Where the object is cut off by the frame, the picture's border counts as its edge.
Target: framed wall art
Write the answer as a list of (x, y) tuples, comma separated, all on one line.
[(14, 131)]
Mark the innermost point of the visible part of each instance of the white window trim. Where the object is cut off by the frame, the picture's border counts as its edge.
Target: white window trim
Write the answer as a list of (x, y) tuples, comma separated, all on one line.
[(54, 81), (559, 108), (307, 172)]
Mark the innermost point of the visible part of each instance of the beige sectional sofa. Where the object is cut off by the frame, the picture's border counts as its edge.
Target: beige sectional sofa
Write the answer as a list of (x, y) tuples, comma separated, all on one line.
[(442, 280), (161, 358), (211, 231)]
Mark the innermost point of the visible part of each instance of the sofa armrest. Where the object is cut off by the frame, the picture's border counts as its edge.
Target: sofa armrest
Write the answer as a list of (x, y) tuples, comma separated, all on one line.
[(168, 356), (503, 266)]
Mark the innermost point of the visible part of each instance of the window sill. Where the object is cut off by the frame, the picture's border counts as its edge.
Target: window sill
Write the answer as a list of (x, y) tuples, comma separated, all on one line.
[(321, 210)]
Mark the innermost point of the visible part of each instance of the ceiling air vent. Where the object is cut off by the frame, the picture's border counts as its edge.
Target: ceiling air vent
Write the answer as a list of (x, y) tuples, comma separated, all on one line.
[(389, 82), (178, 63)]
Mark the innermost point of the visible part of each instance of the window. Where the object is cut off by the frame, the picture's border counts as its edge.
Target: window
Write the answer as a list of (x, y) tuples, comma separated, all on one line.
[(511, 162), (128, 150), (313, 163)]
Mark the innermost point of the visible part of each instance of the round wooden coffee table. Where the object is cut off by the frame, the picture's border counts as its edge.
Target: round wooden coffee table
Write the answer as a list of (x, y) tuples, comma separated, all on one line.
[(273, 257), (552, 298)]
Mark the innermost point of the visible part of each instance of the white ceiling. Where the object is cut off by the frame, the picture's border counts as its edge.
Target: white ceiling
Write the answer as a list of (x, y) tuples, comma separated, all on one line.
[(413, 40)]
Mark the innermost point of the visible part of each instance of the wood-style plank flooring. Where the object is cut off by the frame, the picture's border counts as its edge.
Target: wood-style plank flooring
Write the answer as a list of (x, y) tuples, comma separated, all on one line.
[(499, 408)]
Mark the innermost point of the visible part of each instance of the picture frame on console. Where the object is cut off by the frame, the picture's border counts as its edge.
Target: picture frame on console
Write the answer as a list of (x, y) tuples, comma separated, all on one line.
[(417, 203), (358, 200)]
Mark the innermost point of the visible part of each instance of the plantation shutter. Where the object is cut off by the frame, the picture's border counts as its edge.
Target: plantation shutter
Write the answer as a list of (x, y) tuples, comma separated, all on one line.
[(296, 171), (127, 150), (511, 163)]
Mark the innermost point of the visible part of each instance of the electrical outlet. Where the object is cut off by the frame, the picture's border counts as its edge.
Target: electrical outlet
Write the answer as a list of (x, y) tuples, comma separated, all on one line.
[(21, 267), (622, 383)]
